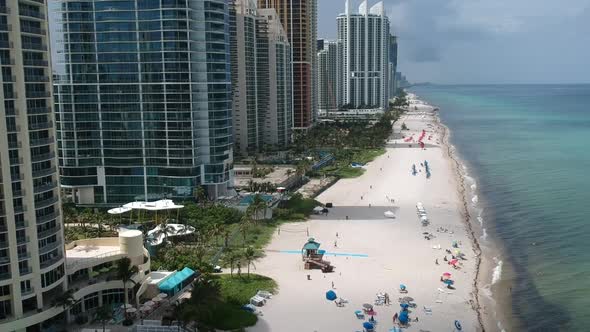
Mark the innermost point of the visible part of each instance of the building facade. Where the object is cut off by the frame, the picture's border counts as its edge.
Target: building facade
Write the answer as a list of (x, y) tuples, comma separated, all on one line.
[(329, 76), (261, 79), (144, 104), (32, 266), (365, 42), (299, 19), (392, 65)]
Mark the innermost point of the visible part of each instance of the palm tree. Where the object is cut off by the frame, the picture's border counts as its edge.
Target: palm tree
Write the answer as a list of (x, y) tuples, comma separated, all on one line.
[(233, 258), (204, 298), (103, 315), (258, 203), (125, 272), (65, 300), (200, 195), (250, 255), (245, 224), (85, 217)]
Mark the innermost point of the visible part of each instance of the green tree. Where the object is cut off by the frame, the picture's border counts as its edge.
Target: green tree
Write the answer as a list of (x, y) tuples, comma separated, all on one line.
[(205, 297), (65, 300), (250, 255), (200, 195), (125, 272), (103, 315), (232, 258), (258, 204)]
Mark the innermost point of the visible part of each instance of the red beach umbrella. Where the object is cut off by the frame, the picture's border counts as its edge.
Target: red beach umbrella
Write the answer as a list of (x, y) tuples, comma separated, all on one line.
[(454, 262), (446, 274)]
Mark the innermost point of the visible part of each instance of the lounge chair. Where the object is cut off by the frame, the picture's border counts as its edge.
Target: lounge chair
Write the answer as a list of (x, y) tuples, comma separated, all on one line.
[(264, 294), (359, 314), (427, 310)]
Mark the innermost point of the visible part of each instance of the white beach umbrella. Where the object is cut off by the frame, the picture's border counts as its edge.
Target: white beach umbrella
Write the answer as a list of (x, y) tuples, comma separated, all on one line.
[(131, 310), (149, 304), (162, 295), (156, 299), (126, 306)]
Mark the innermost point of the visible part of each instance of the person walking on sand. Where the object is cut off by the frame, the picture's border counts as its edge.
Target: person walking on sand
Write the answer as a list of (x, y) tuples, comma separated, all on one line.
[(395, 318), (332, 285), (335, 244), (436, 261), (336, 234)]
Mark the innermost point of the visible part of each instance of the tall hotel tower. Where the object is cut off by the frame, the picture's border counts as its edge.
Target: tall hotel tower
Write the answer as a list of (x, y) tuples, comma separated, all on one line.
[(365, 42), (31, 236), (299, 19), (144, 104)]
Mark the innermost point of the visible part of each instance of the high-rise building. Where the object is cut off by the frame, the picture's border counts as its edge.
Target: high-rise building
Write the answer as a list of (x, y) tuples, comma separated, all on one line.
[(299, 19), (144, 104), (392, 65), (261, 78), (329, 76), (276, 82), (365, 61), (31, 236)]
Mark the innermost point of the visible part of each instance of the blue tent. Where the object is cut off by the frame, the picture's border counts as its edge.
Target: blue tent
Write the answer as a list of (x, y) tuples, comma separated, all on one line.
[(403, 317), (368, 326), (331, 295)]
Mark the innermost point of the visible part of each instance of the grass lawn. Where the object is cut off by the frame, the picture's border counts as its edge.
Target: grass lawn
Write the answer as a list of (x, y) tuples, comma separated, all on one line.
[(350, 172), (235, 292), (257, 236), (343, 169)]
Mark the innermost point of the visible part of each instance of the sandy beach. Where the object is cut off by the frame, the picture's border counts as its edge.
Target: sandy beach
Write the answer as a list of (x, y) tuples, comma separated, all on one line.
[(374, 254)]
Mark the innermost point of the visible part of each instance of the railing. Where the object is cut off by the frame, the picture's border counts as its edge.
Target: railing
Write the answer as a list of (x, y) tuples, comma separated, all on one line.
[(5, 276), (31, 13), (47, 217), (44, 172), (90, 261), (50, 246), (37, 78), (30, 29), (27, 291), (45, 187), (38, 94), (35, 62), (41, 157), (24, 239), (25, 271), (41, 141), (24, 255), (51, 261), (46, 202), (48, 232), (38, 110)]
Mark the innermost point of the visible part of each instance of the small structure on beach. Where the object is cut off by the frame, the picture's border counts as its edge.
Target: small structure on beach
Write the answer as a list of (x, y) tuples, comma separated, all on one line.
[(313, 257)]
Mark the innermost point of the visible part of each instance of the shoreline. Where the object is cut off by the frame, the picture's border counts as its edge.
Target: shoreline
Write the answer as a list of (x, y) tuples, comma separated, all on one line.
[(462, 189)]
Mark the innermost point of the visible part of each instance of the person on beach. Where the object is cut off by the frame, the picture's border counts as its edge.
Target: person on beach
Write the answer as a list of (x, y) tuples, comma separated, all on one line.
[(335, 244), (336, 234), (436, 261), (395, 318), (332, 285)]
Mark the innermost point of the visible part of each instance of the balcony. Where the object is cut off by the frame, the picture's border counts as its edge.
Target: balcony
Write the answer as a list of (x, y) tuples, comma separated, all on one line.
[(4, 10), (3, 244), (23, 240), (35, 62), (24, 255), (46, 202), (45, 187), (48, 232), (4, 260), (5, 276), (16, 161), (44, 172), (43, 157), (33, 30), (38, 110), (36, 79), (21, 225), (41, 141), (51, 261), (6, 44), (18, 193), (20, 209), (14, 145), (31, 13), (27, 291), (50, 246), (34, 46), (47, 217), (25, 271), (38, 94)]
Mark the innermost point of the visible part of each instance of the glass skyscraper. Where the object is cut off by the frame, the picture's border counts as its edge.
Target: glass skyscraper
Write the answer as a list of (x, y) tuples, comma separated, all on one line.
[(144, 102)]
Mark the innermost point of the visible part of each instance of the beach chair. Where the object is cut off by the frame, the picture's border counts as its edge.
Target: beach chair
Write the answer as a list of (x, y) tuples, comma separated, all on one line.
[(427, 310), (264, 294)]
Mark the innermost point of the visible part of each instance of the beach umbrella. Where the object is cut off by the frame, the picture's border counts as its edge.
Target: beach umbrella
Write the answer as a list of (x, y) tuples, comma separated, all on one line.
[(149, 304), (407, 299), (331, 295), (448, 282), (145, 309), (126, 306), (162, 295), (368, 326), (404, 306), (458, 325), (402, 287), (131, 310), (372, 312), (156, 299), (368, 306), (454, 261), (446, 274)]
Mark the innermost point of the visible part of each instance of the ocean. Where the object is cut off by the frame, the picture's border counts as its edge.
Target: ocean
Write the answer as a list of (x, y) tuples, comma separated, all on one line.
[(527, 147)]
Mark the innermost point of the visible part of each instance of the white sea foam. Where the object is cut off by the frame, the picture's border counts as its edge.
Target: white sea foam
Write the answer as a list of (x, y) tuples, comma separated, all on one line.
[(497, 272), (473, 186), (484, 234), (475, 199)]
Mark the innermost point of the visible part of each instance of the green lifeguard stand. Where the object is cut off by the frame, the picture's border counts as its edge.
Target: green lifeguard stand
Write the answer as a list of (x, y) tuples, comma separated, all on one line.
[(310, 249)]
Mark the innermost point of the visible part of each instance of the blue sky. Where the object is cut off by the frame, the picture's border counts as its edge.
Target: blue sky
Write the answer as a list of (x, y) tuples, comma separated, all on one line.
[(484, 41)]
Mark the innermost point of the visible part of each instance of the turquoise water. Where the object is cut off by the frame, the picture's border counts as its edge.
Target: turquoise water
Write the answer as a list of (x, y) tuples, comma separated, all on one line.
[(529, 148)]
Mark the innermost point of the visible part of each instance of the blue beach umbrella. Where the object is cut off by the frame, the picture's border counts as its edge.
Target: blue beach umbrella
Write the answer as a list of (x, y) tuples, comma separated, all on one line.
[(368, 326), (404, 306), (458, 325), (331, 295), (402, 287), (448, 282)]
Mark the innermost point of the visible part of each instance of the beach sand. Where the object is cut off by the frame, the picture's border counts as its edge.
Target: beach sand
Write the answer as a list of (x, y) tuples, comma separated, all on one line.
[(377, 254)]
